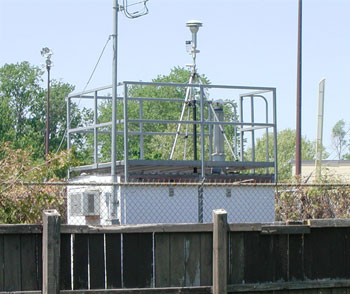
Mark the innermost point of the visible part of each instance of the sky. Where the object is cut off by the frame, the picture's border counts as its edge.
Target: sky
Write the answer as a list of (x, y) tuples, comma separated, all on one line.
[(242, 42)]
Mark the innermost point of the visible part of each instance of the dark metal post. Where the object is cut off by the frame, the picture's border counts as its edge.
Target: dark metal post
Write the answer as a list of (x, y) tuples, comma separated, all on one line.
[(194, 107), (47, 113), (298, 118)]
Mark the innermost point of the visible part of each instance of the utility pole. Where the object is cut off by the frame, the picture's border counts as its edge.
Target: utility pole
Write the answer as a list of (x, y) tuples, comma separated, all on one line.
[(298, 118), (47, 53)]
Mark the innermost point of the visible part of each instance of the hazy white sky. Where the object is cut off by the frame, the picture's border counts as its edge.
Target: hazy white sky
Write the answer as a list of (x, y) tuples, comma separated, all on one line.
[(242, 42)]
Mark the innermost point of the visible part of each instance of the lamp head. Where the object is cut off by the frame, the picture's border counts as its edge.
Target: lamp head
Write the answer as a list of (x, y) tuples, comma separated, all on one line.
[(194, 25), (46, 52)]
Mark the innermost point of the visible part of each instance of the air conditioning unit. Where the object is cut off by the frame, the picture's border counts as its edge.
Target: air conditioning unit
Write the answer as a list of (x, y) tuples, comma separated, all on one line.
[(91, 203), (85, 203)]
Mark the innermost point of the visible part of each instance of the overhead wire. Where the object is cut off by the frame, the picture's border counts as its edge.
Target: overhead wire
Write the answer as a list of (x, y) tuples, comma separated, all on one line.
[(87, 83), (132, 15)]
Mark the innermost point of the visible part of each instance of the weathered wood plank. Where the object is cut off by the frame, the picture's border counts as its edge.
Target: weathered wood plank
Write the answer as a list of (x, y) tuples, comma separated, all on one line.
[(172, 290), (2, 286), (338, 252), (236, 267), (20, 229), (220, 251), (347, 252), (280, 258), (283, 292), (113, 261), (300, 285), (137, 260), (12, 262), (40, 259), (324, 223), (80, 262), (51, 252), (157, 228), (177, 257), (308, 256), (310, 291), (206, 259), (29, 266), (146, 228), (324, 291), (258, 254), (326, 250), (65, 266), (192, 259), (339, 291), (162, 260), (287, 230), (296, 257), (97, 264)]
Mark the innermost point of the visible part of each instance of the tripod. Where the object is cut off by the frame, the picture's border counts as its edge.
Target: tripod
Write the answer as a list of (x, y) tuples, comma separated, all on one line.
[(190, 100)]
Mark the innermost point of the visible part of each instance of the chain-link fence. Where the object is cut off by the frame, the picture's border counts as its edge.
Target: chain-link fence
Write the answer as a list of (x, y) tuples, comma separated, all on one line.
[(82, 203)]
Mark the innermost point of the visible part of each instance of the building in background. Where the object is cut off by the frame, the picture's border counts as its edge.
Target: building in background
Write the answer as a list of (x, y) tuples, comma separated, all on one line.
[(339, 170)]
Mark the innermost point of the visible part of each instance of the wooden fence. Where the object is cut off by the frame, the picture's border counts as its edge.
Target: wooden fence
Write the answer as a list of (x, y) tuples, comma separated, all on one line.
[(189, 258)]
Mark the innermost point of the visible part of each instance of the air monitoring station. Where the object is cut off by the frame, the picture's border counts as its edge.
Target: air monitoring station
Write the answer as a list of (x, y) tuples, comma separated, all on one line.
[(211, 139)]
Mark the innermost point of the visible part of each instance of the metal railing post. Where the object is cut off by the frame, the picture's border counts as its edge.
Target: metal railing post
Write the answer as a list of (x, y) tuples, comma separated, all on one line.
[(126, 147)]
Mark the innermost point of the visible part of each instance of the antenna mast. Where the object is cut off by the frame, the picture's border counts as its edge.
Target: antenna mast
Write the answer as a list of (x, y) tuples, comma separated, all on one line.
[(194, 26)]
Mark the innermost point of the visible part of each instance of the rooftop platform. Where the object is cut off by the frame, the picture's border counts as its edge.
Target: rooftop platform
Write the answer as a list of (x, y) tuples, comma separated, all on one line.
[(181, 170), (249, 113)]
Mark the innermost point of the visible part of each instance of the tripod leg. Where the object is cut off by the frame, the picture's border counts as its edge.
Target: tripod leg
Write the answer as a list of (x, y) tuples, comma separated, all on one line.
[(186, 134), (188, 95)]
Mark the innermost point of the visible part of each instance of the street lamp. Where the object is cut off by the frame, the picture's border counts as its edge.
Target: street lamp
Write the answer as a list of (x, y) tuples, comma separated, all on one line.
[(47, 53)]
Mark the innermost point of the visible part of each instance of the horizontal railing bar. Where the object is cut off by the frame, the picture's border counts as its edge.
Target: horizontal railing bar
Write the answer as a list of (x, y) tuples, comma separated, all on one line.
[(198, 122), (138, 133), (198, 86), (75, 95), (273, 286), (254, 93), (101, 125)]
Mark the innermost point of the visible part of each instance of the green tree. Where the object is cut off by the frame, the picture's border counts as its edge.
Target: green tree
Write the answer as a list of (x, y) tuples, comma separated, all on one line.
[(23, 110), (19, 89), (21, 203), (285, 151), (338, 138)]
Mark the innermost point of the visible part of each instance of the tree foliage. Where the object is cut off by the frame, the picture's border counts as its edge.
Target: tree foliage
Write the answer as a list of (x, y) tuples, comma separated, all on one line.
[(339, 141), (21, 203), (23, 109), (286, 146)]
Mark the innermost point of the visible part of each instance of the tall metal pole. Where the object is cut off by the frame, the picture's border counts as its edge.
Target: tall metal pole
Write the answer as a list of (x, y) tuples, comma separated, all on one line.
[(47, 137), (115, 219), (298, 118), (319, 133), (114, 89)]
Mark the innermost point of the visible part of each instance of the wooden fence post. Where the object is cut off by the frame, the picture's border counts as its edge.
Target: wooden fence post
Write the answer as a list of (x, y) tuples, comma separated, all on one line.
[(219, 251), (51, 252)]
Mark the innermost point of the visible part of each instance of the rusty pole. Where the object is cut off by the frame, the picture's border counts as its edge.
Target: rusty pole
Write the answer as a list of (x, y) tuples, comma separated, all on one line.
[(298, 118), (47, 137)]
